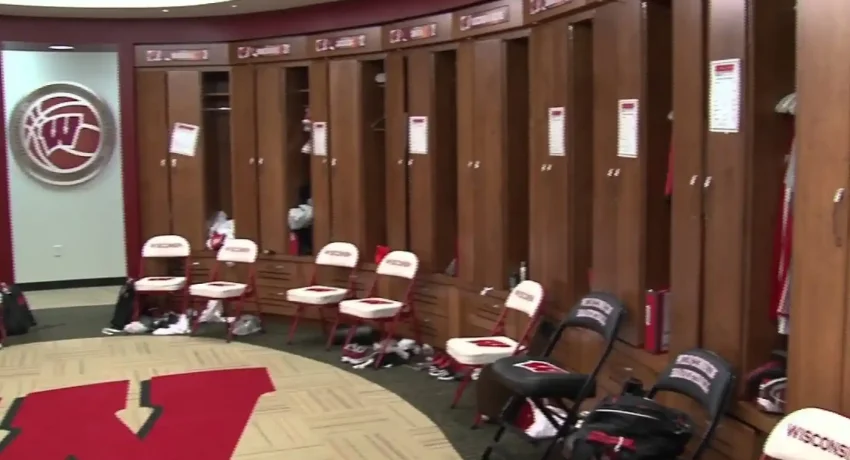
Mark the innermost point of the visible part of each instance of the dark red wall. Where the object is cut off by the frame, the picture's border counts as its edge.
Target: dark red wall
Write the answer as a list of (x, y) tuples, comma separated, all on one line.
[(343, 14)]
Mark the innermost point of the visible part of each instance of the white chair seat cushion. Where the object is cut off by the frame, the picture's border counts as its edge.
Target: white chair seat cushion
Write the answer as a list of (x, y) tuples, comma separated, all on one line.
[(370, 308), (160, 284), (218, 289), (476, 351), (316, 295)]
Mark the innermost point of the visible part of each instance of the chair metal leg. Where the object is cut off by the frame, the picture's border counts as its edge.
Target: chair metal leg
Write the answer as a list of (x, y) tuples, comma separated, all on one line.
[(465, 381), (333, 329), (388, 335), (237, 314), (355, 323), (496, 438), (298, 310), (136, 306)]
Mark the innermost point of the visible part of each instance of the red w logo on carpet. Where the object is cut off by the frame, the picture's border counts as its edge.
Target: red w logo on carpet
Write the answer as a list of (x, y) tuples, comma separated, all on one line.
[(198, 415)]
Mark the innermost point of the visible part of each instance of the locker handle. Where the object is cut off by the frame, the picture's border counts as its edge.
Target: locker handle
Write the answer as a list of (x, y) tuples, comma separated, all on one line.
[(173, 162), (694, 179), (837, 219), (617, 172), (324, 161), (333, 161), (469, 165), (410, 162), (251, 160), (260, 161), (542, 168), (707, 182), (400, 162), (162, 163), (476, 165), (610, 172)]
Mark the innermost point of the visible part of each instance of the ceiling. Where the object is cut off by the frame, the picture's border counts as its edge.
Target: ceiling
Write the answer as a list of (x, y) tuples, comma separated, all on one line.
[(146, 8)]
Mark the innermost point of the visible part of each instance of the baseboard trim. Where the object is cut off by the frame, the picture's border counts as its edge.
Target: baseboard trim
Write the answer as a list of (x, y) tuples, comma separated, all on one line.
[(71, 284)]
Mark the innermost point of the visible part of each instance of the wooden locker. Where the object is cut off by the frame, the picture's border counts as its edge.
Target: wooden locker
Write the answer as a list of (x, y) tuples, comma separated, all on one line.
[(689, 112), (188, 188), (431, 79), (466, 152), (643, 211), (541, 200), (490, 196), (396, 152), (344, 80), (320, 180), (605, 67), (244, 160), (153, 143), (272, 148)]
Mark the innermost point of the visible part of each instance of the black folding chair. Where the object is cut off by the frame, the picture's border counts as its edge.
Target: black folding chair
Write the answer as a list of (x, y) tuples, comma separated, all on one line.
[(538, 379), (704, 377)]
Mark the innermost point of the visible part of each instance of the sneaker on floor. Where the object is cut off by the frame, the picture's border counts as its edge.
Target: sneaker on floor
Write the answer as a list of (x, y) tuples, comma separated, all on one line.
[(365, 361), (212, 313), (111, 331), (136, 327), (181, 327), (353, 352)]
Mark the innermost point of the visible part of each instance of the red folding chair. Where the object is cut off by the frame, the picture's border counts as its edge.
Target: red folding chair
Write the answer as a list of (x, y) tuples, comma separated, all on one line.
[(338, 254), (809, 434), (163, 247), (234, 251), (387, 313), (472, 353)]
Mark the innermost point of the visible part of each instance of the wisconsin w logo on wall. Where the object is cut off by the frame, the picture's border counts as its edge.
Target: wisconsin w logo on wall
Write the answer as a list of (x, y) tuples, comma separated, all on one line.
[(62, 134)]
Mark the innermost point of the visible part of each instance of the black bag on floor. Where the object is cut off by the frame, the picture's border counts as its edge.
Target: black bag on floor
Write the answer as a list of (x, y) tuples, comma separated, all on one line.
[(17, 316), (122, 315), (629, 427)]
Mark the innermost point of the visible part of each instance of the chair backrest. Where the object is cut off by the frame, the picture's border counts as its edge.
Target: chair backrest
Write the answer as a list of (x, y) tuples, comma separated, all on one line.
[(809, 434), (401, 264), (238, 250), (599, 312), (706, 378), (166, 246), (338, 254), (526, 297)]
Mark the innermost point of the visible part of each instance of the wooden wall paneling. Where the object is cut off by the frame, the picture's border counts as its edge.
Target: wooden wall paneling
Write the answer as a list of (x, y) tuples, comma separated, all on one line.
[(515, 162), (273, 199), (188, 188), (371, 183), (466, 155), (244, 158), (644, 44), (442, 162), (320, 181), (605, 71), (542, 59), (396, 151), (576, 182), (345, 135), (819, 296), (491, 195), (431, 83), (153, 140), (771, 41), (688, 141), (725, 194)]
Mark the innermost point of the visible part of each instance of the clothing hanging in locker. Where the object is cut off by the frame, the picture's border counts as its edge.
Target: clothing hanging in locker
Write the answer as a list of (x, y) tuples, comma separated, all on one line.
[(784, 237)]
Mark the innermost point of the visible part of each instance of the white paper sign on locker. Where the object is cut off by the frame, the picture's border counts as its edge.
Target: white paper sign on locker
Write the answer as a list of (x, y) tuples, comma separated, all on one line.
[(184, 139), (320, 138), (724, 95), (557, 142), (418, 135), (628, 118)]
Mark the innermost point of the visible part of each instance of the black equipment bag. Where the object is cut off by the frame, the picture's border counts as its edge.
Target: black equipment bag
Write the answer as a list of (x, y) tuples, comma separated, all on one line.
[(629, 427), (122, 315), (17, 316)]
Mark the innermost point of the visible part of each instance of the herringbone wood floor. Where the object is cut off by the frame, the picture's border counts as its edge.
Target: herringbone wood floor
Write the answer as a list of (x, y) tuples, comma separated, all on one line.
[(317, 412)]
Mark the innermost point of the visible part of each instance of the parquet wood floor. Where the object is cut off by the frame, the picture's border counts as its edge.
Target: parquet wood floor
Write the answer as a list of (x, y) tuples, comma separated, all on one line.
[(317, 411)]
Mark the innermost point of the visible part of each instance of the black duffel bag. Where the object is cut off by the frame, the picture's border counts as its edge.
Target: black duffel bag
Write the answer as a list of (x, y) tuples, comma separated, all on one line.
[(629, 427)]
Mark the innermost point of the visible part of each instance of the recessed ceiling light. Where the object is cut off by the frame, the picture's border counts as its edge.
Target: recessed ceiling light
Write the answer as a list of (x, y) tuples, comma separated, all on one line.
[(61, 47), (165, 11)]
